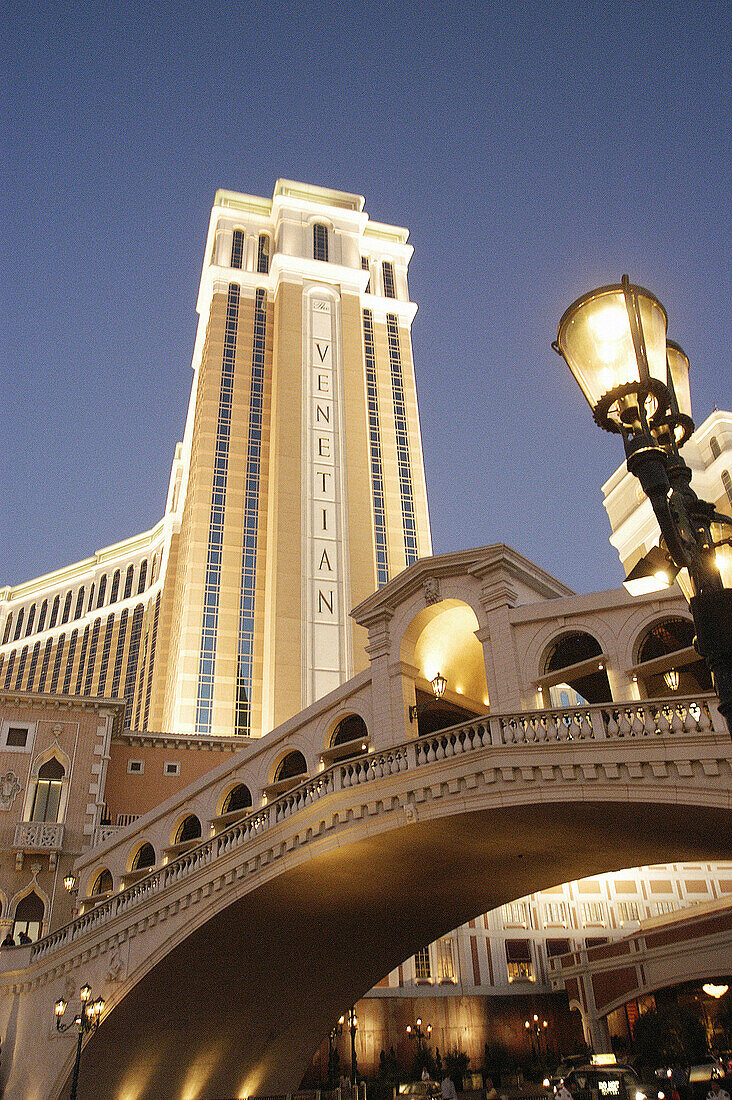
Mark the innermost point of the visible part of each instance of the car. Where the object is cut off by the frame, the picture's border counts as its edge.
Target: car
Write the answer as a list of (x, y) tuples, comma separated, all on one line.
[(597, 1080), (419, 1090)]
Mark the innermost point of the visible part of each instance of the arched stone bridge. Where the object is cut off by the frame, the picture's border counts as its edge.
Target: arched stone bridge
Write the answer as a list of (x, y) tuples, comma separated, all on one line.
[(223, 969)]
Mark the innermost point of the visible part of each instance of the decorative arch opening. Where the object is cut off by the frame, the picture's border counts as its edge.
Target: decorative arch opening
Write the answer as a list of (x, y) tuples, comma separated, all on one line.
[(586, 680), (292, 766), (144, 857), (441, 639), (189, 829), (28, 920), (238, 798), (687, 675)]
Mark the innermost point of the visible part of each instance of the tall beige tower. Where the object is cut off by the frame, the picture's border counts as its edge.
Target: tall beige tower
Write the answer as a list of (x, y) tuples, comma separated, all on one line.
[(298, 488)]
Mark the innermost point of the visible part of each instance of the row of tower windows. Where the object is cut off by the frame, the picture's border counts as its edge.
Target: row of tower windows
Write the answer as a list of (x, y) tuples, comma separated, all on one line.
[(320, 253), (32, 620), (133, 663)]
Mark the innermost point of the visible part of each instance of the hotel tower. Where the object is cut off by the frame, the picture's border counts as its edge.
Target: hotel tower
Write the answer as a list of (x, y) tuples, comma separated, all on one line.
[(297, 491)]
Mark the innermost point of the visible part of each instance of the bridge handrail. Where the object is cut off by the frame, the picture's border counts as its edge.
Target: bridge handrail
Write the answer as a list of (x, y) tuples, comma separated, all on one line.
[(589, 723)]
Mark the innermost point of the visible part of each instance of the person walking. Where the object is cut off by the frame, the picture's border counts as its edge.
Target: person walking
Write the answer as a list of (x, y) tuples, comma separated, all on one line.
[(562, 1092)]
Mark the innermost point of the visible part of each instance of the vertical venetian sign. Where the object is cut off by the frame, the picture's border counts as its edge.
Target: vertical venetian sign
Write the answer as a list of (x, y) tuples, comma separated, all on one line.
[(323, 565)]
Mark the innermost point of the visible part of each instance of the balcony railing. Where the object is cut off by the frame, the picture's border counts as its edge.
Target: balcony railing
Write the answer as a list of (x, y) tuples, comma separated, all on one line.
[(644, 719), (38, 836)]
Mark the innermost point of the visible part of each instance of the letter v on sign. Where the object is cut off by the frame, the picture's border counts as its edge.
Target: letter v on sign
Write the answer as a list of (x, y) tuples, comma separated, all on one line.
[(322, 350)]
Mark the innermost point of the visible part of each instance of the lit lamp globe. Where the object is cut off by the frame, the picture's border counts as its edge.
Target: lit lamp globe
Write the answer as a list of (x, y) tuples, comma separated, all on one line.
[(595, 338), (678, 369)]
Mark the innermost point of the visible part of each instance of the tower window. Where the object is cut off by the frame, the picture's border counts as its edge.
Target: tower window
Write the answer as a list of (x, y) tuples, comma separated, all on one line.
[(237, 248), (365, 267), (128, 582), (79, 603), (263, 254), (115, 587), (102, 590), (42, 617), (19, 624), (67, 608), (320, 243), (54, 611), (8, 624), (143, 577), (31, 620), (389, 284), (714, 447)]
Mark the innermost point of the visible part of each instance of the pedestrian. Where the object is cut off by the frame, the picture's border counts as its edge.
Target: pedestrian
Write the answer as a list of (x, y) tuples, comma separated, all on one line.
[(425, 1074), (562, 1092), (8, 941), (24, 938), (716, 1092), (447, 1088)]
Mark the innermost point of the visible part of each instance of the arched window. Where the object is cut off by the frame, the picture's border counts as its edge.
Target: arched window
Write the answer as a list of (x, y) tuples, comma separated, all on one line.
[(189, 829), (42, 616), (714, 447), (128, 582), (365, 267), (727, 483), (237, 248), (28, 918), (67, 608), (47, 797), (19, 624), (102, 590), (31, 620), (389, 285), (144, 858), (663, 639), (292, 766), (102, 884), (263, 254), (573, 649), (320, 243), (54, 611), (143, 577), (90, 605), (239, 798), (154, 570), (115, 587), (8, 625), (79, 603)]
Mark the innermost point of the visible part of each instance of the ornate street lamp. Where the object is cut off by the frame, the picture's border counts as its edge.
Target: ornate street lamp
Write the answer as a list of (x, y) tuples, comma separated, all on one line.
[(88, 1019), (335, 1032), (637, 384), (418, 1033), (353, 1028), (439, 683), (537, 1028)]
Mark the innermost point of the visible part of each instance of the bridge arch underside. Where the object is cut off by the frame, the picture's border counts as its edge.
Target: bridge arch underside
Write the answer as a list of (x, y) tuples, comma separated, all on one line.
[(239, 1006)]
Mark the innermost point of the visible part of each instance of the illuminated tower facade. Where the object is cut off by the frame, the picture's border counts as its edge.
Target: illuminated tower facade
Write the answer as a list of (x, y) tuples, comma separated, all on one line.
[(298, 488)]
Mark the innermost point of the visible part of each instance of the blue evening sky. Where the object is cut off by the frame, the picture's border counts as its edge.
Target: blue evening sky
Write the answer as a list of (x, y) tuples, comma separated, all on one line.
[(534, 151)]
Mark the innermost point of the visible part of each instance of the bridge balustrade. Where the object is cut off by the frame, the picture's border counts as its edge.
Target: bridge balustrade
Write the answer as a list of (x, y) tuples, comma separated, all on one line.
[(602, 722)]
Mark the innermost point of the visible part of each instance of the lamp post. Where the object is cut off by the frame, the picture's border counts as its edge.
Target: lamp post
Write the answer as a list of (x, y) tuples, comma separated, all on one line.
[(353, 1028), (637, 384), (88, 1019), (536, 1029), (335, 1032), (419, 1034)]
